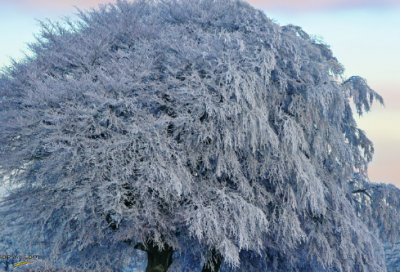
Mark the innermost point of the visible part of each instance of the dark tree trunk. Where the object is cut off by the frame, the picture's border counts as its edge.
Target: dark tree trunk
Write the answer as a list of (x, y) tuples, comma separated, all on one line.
[(216, 261), (157, 261)]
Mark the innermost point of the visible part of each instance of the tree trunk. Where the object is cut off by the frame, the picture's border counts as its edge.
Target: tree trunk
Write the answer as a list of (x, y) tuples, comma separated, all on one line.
[(216, 262), (157, 261)]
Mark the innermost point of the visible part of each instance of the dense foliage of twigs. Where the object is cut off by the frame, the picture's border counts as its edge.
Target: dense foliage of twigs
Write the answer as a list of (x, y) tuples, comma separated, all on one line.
[(198, 123)]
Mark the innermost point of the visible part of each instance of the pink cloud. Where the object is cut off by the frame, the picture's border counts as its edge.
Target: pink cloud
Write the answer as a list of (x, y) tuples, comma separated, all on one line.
[(290, 5), (384, 167), (314, 5), (390, 93), (59, 5)]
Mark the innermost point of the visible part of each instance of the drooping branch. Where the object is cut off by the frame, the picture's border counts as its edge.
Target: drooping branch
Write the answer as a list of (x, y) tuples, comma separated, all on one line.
[(364, 191)]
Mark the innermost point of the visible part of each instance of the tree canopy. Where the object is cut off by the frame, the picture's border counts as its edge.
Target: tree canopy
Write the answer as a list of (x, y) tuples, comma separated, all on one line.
[(190, 126)]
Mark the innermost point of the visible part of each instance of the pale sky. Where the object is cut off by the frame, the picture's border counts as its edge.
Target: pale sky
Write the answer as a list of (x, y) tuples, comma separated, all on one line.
[(363, 35)]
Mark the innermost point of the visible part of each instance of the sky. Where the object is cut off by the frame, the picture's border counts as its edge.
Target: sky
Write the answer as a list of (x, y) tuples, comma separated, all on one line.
[(363, 35)]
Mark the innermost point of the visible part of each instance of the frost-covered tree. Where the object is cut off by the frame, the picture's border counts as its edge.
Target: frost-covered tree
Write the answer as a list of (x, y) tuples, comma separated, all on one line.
[(187, 126)]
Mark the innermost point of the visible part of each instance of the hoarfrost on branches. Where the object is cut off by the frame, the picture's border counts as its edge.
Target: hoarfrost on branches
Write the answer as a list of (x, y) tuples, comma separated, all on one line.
[(190, 126)]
